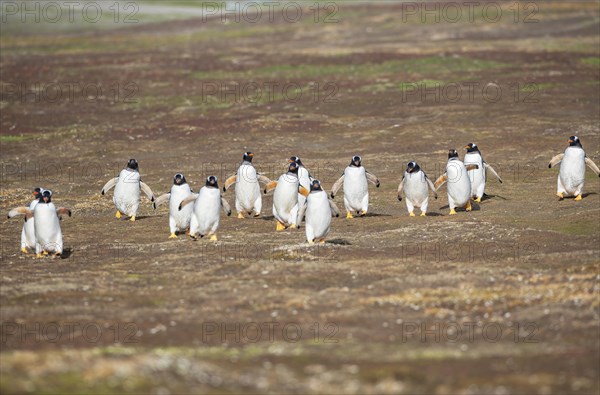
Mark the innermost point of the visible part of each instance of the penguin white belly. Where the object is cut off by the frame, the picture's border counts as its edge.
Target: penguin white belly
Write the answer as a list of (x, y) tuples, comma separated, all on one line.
[(356, 190), (247, 190), (205, 219), (477, 176), (572, 171), (179, 220), (48, 235), (459, 185), (28, 232), (285, 199), (318, 216), (304, 178), (127, 192), (416, 189)]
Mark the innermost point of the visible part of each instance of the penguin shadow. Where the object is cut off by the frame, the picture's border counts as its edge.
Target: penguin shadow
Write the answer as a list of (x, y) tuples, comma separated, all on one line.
[(340, 242), (66, 253), (583, 195), (486, 197), (474, 207), (266, 217), (434, 214), (373, 215)]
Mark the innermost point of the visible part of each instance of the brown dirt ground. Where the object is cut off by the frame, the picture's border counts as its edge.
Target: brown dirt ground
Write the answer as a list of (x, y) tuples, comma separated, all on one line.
[(521, 256)]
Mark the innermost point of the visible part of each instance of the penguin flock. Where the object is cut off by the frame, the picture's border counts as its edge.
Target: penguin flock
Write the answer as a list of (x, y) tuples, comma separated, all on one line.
[(297, 196)]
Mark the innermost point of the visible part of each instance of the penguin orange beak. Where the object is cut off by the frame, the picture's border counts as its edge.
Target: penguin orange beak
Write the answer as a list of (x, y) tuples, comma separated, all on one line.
[(251, 155), (569, 141), (467, 147)]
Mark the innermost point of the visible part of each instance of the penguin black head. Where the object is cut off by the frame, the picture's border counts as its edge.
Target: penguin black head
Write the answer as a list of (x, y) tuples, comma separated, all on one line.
[(295, 159), (179, 179), (356, 161), (37, 193), (315, 186), (471, 147), (574, 142), (132, 164), (248, 156), (46, 196), (293, 168), (211, 182), (412, 167), (452, 154)]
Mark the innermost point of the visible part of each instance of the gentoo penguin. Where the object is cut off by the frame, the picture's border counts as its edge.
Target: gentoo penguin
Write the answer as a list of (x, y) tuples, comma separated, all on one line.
[(478, 176), (459, 184), (318, 210), (28, 231), (285, 197), (46, 218), (127, 190), (248, 200), (356, 190), (571, 176), (179, 221), (415, 184), (303, 176), (207, 204)]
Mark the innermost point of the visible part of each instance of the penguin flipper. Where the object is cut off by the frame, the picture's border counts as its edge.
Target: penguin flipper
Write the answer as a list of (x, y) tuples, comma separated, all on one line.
[(301, 213), (431, 186), (336, 187), (225, 206), (303, 191), (146, 189), (372, 179), (400, 187), (20, 211), (264, 179), (490, 168), (472, 167), (188, 200), (109, 185), (335, 211), (592, 166), (556, 160), (229, 182), (63, 211), (270, 186), (162, 199), (440, 181)]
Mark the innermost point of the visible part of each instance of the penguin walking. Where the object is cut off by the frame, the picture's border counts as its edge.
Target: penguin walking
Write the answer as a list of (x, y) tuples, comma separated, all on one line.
[(303, 176), (207, 204), (179, 220), (415, 184), (127, 190), (459, 183), (285, 197), (571, 175), (478, 176), (46, 218), (318, 210), (28, 231), (356, 189), (248, 200)]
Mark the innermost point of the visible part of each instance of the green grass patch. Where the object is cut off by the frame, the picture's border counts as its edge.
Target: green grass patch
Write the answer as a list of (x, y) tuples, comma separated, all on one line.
[(593, 61), (13, 138)]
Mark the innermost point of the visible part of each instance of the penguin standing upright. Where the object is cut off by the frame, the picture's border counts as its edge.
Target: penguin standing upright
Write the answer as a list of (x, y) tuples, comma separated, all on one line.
[(459, 184), (248, 200), (28, 231), (356, 189), (478, 176), (46, 217), (127, 190), (179, 220), (318, 210), (571, 176), (285, 197), (207, 204), (303, 176), (415, 184)]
